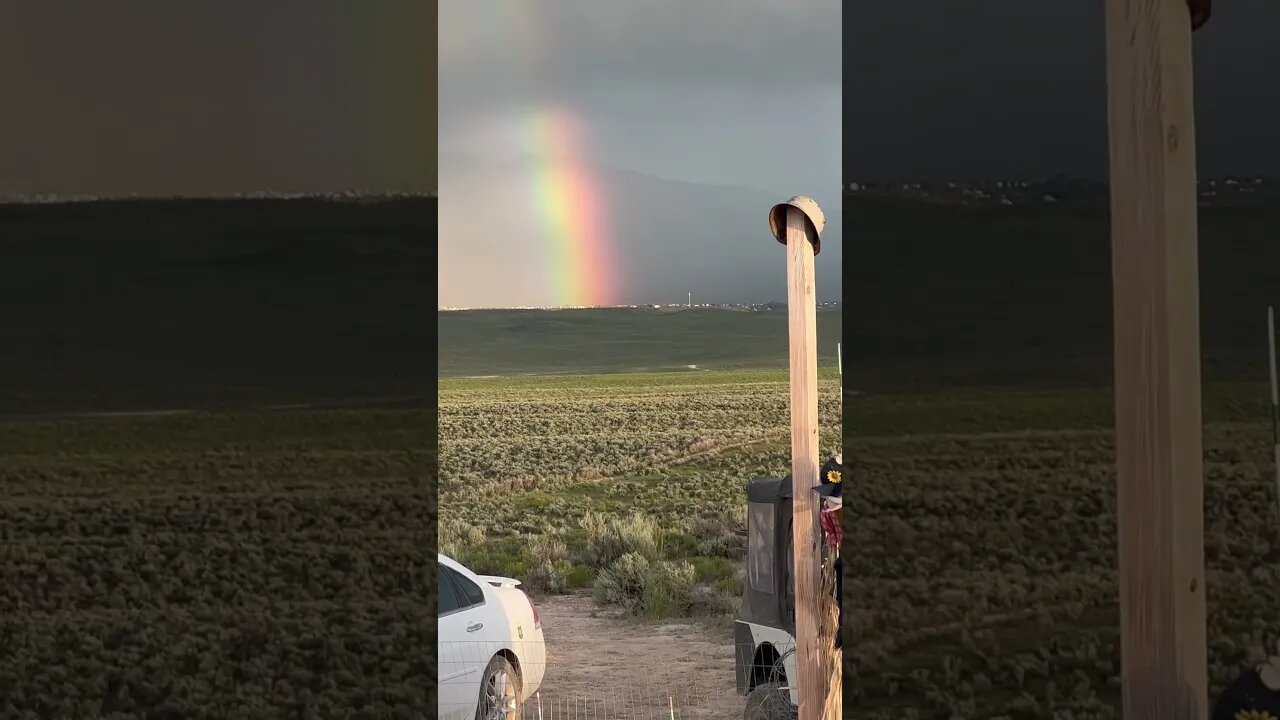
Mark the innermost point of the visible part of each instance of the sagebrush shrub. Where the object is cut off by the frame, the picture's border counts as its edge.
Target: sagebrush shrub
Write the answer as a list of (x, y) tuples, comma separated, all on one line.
[(455, 536), (655, 589), (549, 565), (623, 582), (608, 538), (722, 534), (715, 601), (669, 592)]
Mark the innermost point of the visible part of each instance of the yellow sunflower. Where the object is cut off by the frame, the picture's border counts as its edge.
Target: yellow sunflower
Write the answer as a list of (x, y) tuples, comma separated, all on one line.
[(833, 476), (1254, 715)]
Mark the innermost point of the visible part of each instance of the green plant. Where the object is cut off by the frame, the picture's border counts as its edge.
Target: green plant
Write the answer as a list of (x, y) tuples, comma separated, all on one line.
[(609, 538), (623, 582), (549, 565), (580, 576), (723, 539), (655, 589), (669, 592), (457, 536)]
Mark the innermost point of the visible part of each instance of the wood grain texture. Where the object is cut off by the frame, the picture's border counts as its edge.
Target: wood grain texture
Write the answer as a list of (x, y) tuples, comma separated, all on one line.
[(1157, 360), (802, 324)]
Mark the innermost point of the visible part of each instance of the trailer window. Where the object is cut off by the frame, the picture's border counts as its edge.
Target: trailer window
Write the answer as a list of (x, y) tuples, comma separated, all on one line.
[(760, 547)]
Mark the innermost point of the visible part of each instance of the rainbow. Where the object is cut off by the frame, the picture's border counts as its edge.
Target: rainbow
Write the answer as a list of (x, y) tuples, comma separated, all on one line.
[(572, 211)]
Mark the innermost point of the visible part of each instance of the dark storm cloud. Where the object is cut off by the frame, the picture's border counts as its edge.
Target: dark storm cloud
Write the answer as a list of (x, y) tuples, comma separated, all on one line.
[(664, 72), (943, 88), (492, 51), (731, 104), (200, 98)]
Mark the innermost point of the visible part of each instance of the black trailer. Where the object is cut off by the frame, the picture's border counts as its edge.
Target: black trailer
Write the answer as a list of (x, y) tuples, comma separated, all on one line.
[(764, 633)]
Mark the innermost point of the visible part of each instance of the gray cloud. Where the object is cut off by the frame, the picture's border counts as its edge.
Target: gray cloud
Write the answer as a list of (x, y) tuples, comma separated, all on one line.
[(489, 50), (210, 98), (726, 93), (951, 89)]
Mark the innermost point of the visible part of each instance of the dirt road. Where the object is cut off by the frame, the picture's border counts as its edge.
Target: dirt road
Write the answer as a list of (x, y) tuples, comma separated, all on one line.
[(604, 666)]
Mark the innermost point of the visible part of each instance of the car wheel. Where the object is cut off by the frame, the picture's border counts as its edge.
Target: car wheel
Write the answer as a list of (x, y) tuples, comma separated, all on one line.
[(769, 701), (499, 692)]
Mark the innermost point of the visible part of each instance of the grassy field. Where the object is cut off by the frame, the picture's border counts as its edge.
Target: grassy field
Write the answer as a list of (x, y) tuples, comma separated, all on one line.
[(980, 550), (215, 303), (620, 340), (980, 570), (170, 545), (951, 297), (632, 485), (253, 564)]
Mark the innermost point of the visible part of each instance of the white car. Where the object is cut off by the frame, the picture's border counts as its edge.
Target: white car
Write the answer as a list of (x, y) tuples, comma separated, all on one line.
[(489, 649)]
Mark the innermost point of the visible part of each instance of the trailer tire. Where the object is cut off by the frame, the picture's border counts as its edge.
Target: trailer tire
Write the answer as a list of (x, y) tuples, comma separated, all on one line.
[(768, 701)]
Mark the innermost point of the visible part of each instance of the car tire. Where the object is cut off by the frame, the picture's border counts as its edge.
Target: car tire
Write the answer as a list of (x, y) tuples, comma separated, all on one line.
[(769, 701), (499, 692)]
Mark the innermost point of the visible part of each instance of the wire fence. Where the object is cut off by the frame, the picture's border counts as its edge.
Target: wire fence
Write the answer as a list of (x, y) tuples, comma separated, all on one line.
[(640, 680)]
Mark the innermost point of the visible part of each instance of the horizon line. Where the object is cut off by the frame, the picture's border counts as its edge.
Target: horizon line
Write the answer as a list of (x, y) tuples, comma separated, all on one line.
[(635, 306), (57, 198)]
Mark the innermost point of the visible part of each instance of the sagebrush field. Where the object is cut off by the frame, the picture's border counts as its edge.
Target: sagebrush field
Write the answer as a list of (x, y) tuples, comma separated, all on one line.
[(980, 554), (630, 484), (170, 545), (246, 565)]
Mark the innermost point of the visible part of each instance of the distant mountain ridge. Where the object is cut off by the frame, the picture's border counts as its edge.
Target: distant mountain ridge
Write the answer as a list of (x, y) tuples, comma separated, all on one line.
[(198, 302), (339, 196), (669, 237), (1021, 295), (1229, 190)]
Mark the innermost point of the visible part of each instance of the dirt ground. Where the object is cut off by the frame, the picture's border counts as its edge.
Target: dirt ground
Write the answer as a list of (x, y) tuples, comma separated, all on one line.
[(604, 666)]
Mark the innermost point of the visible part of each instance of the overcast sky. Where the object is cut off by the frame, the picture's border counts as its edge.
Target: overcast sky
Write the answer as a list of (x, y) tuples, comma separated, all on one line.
[(729, 92), (956, 89), (210, 98)]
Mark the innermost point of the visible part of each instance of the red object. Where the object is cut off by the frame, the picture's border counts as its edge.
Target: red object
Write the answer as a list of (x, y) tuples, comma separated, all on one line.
[(537, 621), (1200, 12), (831, 527)]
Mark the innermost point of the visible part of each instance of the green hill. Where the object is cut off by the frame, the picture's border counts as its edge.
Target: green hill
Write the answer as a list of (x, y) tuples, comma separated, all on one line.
[(954, 296), (513, 342), (196, 303)]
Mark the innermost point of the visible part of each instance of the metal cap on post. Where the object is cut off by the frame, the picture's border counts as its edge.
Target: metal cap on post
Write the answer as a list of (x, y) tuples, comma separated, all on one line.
[(815, 220), (1200, 12)]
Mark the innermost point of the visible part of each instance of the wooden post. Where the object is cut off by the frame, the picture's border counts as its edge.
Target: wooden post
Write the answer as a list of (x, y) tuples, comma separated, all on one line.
[(1275, 404), (1157, 361), (802, 241)]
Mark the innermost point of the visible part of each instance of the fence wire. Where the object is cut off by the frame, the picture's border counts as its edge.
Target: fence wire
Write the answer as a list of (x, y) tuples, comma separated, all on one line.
[(625, 681)]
